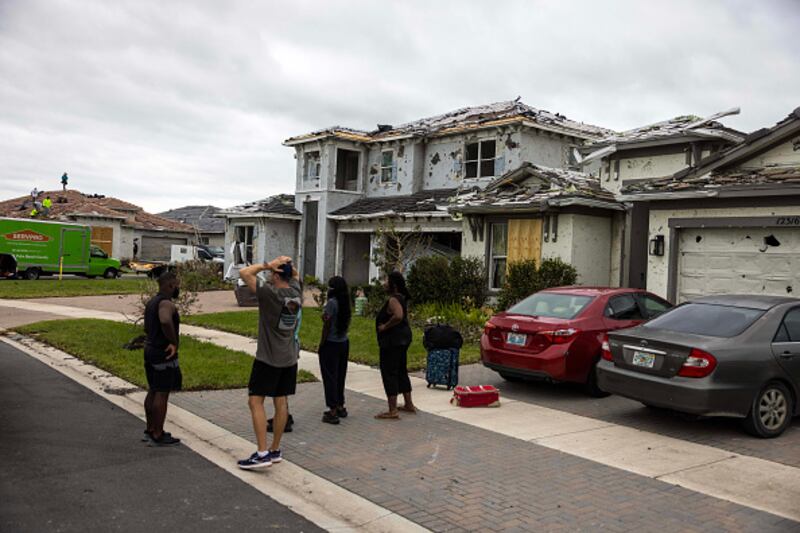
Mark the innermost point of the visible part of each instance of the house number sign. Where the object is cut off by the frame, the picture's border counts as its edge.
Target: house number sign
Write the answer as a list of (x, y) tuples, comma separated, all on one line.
[(787, 221)]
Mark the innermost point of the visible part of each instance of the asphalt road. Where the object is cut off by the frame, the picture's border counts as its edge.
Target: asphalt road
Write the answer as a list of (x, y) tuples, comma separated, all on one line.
[(71, 461)]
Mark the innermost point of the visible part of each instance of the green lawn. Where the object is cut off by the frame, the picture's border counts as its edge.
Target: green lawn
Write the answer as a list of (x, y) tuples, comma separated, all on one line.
[(363, 344), (99, 342), (69, 286)]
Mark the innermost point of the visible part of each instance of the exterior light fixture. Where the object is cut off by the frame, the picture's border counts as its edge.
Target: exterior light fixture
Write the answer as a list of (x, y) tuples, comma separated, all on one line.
[(657, 245)]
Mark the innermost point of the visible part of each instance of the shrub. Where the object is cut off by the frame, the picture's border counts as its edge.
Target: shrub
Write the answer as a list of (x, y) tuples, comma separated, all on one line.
[(468, 321), (441, 280), (319, 290), (524, 279)]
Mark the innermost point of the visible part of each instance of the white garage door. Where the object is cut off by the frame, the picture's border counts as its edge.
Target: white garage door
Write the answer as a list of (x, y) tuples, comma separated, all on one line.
[(738, 261), (158, 248)]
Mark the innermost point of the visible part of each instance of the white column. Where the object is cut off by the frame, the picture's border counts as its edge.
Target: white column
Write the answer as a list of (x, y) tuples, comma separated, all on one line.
[(373, 268), (339, 257)]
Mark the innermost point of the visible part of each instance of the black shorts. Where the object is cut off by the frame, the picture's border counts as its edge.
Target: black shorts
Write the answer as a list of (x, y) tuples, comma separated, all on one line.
[(268, 380), (160, 379)]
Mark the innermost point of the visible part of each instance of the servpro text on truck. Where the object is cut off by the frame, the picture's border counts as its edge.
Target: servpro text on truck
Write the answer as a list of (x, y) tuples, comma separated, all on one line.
[(30, 248)]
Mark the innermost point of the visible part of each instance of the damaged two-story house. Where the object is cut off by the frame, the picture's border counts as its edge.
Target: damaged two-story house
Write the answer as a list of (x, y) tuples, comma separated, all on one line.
[(427, 174), (729, 223)]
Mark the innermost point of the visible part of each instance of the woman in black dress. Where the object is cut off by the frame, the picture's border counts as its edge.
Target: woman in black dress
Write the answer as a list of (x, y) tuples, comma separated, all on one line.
[(394, 338)]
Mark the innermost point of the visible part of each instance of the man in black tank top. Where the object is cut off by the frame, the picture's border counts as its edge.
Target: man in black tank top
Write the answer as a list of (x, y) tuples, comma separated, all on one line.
[(162, 327)]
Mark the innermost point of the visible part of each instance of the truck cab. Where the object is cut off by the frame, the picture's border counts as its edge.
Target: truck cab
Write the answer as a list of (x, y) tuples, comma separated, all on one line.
[(100, 264)]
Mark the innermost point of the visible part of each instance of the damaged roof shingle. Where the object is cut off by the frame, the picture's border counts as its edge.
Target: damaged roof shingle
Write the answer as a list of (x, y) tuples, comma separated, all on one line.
[(535, 187), (429, 201), (718, 180), (280, 204), (198, 216), (464, 119)]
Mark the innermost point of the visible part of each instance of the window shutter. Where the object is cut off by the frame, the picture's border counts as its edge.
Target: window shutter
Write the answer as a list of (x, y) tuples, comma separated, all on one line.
[(524, 239), (499, 165)]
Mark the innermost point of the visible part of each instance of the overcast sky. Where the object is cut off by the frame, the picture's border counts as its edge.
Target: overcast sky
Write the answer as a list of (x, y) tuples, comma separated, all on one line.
[(166, 103)]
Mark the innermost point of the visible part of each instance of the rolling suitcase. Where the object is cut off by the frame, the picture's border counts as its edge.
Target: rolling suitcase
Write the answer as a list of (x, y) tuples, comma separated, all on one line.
[(476, 396), (442, 367)]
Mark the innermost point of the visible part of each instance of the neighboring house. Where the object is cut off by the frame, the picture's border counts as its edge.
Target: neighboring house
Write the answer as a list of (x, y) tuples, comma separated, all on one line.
[(259, 231), (208, 228), (115, 224), (730, 223), (349, 183), (535, 212), (648, 153)]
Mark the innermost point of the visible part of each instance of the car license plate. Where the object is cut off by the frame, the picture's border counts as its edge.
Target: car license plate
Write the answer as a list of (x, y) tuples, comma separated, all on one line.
[(517, 339), (646, 360)]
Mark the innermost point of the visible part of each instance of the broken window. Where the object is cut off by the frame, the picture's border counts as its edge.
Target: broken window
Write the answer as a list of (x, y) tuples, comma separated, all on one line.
[(480, 158), (312, 166), (347, 162), (498, 254), (387, 167), (244, 245)]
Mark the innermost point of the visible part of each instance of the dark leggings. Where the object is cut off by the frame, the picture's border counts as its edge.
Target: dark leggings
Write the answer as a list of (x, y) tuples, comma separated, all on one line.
[(333, 358), (393, 361)]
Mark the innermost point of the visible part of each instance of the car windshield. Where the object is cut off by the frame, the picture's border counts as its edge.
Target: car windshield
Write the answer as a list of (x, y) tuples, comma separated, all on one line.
[(551, 304), (707, 319)]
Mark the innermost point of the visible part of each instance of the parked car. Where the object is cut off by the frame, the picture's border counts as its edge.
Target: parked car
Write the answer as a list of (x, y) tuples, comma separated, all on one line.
[(557, 333), (733, 356)]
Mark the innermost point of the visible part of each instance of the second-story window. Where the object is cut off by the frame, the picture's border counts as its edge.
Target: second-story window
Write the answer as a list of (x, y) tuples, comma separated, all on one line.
[(312, 166), (347, 163), (480, 159), (387, 167)]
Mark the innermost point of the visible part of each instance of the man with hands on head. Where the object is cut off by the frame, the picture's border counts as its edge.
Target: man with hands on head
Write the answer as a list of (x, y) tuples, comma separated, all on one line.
[(274, 373)]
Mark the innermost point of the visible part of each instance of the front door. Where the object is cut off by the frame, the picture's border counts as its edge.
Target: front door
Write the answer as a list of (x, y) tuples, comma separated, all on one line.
[(73, 250), (310, 243)]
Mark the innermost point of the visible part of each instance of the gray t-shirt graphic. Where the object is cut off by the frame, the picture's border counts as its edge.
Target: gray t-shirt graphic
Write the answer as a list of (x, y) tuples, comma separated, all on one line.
[(278, 315)]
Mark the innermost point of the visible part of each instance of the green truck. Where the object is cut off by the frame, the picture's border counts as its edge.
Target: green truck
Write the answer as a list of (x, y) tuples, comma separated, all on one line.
[(30, 248)]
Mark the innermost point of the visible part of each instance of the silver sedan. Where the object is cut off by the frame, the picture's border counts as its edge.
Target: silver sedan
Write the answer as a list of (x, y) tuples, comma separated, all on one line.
[(730, 355)]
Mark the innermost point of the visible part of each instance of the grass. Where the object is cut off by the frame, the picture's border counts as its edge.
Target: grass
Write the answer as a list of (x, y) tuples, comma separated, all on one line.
[(363, 344), (204, 365), (69, 286)]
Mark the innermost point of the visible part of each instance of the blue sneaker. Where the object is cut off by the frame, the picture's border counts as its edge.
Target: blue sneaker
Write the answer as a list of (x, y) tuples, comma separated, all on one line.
[(255, 461), (275, 456)]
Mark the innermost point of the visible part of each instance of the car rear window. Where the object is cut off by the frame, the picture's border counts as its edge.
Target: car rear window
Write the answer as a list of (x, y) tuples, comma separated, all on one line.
[(707, 319), (551, 304)]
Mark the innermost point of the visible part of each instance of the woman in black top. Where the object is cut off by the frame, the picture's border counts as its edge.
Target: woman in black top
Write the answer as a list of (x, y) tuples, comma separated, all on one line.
[(394, 338)]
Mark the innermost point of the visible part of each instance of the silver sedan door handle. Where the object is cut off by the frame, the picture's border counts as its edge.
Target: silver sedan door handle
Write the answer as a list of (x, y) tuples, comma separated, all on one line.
[(787, 355)]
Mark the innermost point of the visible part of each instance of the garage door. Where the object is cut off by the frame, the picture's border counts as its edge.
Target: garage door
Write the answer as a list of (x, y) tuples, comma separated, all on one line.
[(738, 261), (158, 248)]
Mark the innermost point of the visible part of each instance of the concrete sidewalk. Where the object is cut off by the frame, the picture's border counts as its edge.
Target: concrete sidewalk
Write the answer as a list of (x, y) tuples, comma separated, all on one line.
[(70, 461)]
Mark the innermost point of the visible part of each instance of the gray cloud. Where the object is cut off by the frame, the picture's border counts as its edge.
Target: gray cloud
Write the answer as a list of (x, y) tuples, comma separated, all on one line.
[(170, 103)]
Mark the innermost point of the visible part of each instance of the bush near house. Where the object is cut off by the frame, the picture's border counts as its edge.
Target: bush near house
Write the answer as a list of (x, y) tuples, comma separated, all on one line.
[(439, 280), (524, 279), (468, 321)]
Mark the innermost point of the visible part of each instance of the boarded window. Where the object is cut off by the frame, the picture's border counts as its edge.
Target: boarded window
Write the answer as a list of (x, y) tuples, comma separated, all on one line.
[(480, 159), (347, 162), (103, 238), (524, 239)]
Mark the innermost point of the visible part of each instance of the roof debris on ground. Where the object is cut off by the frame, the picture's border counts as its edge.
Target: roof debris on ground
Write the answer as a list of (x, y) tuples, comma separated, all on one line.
[(71, 203), (280, 204), (533, 187), (465, 119)]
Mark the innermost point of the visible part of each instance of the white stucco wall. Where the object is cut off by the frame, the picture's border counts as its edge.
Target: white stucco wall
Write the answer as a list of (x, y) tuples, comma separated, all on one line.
[(787, 153), (562, 246), (591, 249), (651, 166), (657, 267), (617, 238), (545, 148)]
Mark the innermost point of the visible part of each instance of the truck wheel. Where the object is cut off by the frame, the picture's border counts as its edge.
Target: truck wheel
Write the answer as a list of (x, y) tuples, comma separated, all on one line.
[(771, 411), (32, 274), (110, 273)]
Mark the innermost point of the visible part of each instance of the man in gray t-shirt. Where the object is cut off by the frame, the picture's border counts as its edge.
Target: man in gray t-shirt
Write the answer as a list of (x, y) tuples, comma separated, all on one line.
[(274, 374)]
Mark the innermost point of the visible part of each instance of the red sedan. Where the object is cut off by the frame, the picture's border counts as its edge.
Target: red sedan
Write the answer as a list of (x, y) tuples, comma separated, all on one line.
[(557, 333)]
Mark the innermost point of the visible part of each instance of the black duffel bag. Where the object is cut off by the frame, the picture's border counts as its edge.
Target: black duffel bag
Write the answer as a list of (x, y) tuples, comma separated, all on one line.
[(442, 336)]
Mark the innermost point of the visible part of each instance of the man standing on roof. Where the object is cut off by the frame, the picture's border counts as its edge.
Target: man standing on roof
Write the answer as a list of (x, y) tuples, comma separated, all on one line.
[(274, 374), (34, 194), (47, 203), (64, 180)]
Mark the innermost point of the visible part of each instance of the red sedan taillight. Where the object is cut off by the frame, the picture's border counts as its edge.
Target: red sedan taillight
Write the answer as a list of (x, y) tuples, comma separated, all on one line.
[(559, 336), (699, 364), (493, 333), (605, 349)]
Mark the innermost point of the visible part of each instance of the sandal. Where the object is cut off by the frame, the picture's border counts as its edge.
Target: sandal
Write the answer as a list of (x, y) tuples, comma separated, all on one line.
[(407, 409), (387, 416)]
